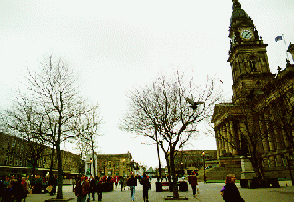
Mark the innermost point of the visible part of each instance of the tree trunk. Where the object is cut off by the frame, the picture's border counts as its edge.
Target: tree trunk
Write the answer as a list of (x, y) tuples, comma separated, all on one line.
[(59, 159), (52, 162), (93, 157), (157, 146), (173, 173)]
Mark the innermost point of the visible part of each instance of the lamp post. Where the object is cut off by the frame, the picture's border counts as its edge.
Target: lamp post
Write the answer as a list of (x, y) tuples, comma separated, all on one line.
[(204, 177), (90, 165)]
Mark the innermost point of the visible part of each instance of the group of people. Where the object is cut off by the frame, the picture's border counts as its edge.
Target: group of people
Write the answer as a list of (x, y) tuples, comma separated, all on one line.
[(85, 187), (229, 192), (13, 188), (144, 181), (16, 188)]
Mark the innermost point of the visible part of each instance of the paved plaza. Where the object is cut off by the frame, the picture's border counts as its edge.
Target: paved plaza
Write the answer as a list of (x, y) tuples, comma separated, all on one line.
[(208, 192)]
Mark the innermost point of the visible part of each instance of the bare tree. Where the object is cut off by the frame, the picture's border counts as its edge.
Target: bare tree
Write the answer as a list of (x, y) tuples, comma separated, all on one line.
[(26, 121), (55, 89), (86, 132), (167, 112)]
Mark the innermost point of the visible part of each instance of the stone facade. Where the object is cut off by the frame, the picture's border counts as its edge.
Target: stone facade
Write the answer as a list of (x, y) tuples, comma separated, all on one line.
[(259, 123), (187, 161), (115, 164), (13, 160)]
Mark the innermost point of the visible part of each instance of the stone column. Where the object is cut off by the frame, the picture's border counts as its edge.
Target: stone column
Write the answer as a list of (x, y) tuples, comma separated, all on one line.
[(236, 142), (217, 138), (271, 140), (264, 134), (229, 135), (224, 133), (279, 141)]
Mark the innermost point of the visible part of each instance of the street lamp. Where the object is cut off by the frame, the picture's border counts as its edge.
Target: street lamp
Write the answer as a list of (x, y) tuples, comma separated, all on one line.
[(90, 165), (204, 177), (182, 170)]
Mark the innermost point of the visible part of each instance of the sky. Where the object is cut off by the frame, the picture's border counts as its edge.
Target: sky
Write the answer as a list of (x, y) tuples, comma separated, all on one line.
[(118, 45)]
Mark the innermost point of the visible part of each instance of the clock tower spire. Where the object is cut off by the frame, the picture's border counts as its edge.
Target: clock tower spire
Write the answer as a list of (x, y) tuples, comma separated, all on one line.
[(247, 55)]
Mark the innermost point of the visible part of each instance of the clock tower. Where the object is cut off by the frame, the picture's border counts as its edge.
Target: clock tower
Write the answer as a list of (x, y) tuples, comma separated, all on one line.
[(247, 56)]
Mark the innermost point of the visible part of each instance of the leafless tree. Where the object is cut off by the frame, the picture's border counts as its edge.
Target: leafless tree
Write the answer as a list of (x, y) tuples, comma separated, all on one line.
[(25, 120), (85, 129), (55, 89), (168, 112)]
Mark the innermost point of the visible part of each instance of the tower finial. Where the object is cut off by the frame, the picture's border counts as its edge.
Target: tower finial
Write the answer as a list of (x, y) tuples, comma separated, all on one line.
[(236, 4)]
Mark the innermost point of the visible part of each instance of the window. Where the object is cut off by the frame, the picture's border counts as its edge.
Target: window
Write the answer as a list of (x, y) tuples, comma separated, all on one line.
[(6, 160), (10, 160)]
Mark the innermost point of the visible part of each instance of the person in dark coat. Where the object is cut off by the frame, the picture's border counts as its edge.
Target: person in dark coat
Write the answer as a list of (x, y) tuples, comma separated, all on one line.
[(93, 187), (121, 181), (132, 183), (230, 191), (17, 190), (146, 185), (99, 188), (193, 181), (52, 182)]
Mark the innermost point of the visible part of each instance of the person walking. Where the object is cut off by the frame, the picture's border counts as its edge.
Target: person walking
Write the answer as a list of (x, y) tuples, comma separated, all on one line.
[(132, 183), (116, 179), (81, 189), (121, 181), (193, 182), (146, 185), (230, 191), (17, 190), (87, 188), (25, 187), (99, 188), (93, 186)]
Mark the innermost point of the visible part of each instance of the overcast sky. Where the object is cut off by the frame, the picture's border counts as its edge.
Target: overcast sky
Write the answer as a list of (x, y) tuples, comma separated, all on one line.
[(119, 44)]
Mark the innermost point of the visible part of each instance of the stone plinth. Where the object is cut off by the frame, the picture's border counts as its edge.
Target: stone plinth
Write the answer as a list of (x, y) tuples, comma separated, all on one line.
[(247, 169), (58, 200)]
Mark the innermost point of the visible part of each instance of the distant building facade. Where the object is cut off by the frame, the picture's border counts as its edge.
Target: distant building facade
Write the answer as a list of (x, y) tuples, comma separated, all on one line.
[(13, 159), (114, 164), (186, 161), (259, 122)]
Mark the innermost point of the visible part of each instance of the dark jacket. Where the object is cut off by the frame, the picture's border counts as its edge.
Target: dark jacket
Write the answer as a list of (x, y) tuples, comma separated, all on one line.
[(132, 181), (193, 180), (145, 182), (231, 193)]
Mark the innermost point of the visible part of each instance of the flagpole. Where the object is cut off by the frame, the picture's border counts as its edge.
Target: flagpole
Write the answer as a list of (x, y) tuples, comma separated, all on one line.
[(285, 46)]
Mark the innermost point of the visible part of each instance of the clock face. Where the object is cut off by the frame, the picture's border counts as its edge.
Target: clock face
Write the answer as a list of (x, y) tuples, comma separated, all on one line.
[(246, 34)]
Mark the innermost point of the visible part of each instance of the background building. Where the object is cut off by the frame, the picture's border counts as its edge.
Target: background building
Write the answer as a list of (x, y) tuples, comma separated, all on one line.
[(13, 159), (187, 161), (114, 164)]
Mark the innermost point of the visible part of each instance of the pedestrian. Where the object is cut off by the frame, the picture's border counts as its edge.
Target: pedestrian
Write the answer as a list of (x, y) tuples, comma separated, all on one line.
[(2, 187), (132, 183), (81, 189), (121, 181), (146, 185), (93, 187), (230, 191), (17, 190), (193, 182), (25, 187), (116, 179), (100, 188), (87, 188)]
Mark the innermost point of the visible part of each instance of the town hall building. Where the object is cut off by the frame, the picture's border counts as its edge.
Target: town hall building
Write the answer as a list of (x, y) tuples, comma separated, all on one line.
[(255, 131)]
